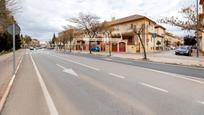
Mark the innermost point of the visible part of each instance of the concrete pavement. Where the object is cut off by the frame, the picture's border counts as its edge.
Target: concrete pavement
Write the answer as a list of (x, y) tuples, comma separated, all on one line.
[(101, 87), (6, 68), (26, 97)]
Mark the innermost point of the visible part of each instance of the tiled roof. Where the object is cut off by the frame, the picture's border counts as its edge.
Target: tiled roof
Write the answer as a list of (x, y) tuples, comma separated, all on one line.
[(159, 26), (127, 19)]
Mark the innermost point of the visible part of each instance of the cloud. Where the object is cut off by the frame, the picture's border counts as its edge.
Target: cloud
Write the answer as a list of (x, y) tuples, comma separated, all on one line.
[(41, 18)]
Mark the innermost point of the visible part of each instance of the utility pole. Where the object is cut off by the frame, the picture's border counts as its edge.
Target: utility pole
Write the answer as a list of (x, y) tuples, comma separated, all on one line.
[(14, 47), (14, 30), (197, 35)]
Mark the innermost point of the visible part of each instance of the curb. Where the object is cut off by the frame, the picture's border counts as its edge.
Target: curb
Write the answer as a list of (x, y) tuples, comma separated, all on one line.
[(5, 95)]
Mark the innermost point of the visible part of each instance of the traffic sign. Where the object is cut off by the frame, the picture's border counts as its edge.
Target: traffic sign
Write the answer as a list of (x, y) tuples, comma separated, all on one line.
[(16, 31)]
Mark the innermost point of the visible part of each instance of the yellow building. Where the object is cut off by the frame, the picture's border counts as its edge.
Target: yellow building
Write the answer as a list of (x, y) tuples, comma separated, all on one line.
[(125, 40), (202, 34), (174, 41), (64, 39), (161, 31)]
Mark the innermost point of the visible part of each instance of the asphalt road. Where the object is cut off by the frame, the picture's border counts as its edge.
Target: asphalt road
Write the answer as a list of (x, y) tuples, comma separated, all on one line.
[(176, 69), (50, 83)]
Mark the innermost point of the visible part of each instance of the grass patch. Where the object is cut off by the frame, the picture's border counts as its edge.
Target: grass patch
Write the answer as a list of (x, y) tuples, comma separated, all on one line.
[(4, 52)]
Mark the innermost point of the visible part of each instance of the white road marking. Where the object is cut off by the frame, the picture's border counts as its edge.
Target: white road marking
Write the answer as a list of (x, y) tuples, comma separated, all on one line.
[(118, 76), (87, 66), (193, 79), (5, 95), (108, 59), (61, 66), (69, 71), (201, 102), (154, 87), (177, 75), (50, 103)]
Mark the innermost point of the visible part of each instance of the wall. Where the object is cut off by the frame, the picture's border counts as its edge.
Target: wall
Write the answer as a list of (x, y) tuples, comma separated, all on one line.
[(131, 48), (202, 43)]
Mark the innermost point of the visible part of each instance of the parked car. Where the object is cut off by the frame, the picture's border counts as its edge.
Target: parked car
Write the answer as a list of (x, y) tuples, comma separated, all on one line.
[(31, 48), (172, 47), (95, 49), (184, 50)]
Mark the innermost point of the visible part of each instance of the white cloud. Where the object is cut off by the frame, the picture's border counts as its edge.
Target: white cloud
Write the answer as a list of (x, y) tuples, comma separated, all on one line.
[(41, 18)]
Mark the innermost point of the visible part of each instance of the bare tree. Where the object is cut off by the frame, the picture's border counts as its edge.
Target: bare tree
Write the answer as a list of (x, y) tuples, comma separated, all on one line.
[(7, 9), (70, 33), (107, 30), (189, 21), (89, 24), (63, 41), (139, 32)]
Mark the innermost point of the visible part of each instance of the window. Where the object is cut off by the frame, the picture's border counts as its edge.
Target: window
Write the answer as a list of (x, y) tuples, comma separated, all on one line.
[(131, 26)]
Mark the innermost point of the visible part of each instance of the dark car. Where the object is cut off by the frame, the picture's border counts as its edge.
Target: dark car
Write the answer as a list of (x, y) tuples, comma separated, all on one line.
[(31, 48), (183, 50), (95, 49)]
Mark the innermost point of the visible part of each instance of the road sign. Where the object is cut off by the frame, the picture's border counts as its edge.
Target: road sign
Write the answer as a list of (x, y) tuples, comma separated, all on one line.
[(16, 31)]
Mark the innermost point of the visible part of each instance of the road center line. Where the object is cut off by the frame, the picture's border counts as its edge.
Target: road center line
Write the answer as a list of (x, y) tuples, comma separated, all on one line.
[(61, 66), (49, 101), (115, 75), (176, 75), (84, 65), (153, 87), (108, 59)]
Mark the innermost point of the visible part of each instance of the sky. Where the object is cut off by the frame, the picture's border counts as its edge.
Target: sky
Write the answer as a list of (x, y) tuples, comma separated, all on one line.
[(42, 18)]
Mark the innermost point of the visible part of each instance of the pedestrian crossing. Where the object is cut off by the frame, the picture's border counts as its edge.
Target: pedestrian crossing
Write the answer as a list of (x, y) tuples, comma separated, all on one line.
[(38, 52)]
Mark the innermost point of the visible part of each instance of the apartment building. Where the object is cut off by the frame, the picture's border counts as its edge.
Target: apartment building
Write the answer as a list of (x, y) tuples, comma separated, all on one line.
[(202, 34), (174, 41), (124, 39)]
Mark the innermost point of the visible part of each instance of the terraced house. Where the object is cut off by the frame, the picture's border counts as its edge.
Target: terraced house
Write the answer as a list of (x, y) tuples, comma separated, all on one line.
[(123, 38), (202, 18)]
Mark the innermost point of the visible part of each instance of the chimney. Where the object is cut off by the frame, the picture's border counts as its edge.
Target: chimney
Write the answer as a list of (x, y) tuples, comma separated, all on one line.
[(113, 18)]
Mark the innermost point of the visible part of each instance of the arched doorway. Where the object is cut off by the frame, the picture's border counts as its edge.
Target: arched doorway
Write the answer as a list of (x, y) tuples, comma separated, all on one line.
[(122, 47), (78, 47), (114, 47)]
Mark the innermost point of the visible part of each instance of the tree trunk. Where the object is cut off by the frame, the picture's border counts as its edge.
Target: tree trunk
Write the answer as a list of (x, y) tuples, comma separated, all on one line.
[(109, 48), (144, 50), (64, 47), (70, 46), (90, 47)]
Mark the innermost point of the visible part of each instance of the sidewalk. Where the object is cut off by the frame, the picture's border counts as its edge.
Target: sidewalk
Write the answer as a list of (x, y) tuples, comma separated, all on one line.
[(157, 57), (6, 68)]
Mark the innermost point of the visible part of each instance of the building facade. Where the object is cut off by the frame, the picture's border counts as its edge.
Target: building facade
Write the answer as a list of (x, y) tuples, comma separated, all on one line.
[(35, 43), (124, 38), (174, 41), (202, 19)]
